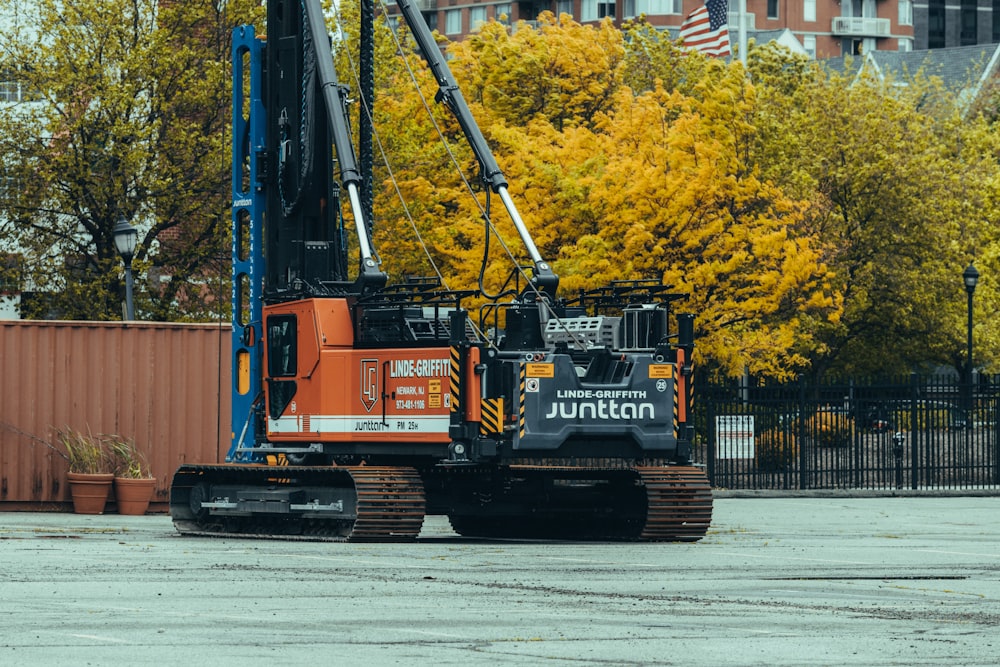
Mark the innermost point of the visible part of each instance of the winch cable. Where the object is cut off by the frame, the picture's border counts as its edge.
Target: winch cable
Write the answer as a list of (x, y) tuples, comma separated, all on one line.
[(548, 313), (451, 155), (366, 109)]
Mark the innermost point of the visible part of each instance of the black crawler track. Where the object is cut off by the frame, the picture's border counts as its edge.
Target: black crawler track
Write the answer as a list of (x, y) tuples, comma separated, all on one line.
[(357, 504), (672, 503), (632, 504)]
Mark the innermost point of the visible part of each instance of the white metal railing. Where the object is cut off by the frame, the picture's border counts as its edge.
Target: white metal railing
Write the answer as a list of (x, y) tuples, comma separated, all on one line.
[(749, 22), (860, 26)]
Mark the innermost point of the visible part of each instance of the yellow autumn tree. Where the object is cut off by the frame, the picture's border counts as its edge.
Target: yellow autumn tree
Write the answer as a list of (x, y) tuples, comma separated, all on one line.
[(560, 74), (559, 70), (676, 204), (654, 185)]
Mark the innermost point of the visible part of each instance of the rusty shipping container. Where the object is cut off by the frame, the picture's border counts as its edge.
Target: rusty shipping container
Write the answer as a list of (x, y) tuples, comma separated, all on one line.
[(166, 385)]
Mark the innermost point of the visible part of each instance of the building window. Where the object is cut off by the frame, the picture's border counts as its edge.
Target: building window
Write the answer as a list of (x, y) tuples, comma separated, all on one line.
[(588, 10), (10, 91), (605, 9), (10, 185), (634, 8), (809, 44), (809, 10), (969, 32), (652, 7), (996, 21), (564, 7), (935, 24), (10, 274), (477, 17), (905, 12), (903, 44), (431, 18), (13, 90), (453, 21), (502, 13), (772, 9)]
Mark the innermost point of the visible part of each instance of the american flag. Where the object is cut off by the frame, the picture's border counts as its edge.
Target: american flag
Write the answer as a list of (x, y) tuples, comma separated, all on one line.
[(705, 29)]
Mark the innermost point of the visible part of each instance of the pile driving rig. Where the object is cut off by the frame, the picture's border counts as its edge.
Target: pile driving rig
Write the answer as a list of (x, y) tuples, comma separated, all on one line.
[(359, 406)]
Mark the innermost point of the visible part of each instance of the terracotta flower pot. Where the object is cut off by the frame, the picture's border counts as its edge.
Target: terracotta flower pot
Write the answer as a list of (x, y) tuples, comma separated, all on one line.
[(89, 491), (133, 495)]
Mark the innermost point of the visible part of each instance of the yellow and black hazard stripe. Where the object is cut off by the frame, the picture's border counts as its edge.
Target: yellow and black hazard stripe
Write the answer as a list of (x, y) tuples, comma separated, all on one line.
[(520, 403), (456, 380), (280, 461), (492, 416), (691, 395), (277, 460), (676, 407)]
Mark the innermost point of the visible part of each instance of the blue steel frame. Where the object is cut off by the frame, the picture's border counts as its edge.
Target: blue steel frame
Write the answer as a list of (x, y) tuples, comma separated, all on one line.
[(248, 215)]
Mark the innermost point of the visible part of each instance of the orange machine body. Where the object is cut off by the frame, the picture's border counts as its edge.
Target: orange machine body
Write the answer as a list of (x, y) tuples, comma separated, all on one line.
[(320, 388)]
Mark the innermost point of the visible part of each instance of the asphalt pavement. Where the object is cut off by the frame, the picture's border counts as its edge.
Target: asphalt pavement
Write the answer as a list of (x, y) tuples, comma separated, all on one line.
[(777, 581)]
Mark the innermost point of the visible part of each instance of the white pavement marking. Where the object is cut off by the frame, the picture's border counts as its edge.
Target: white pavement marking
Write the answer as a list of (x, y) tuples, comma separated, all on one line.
[(113, 640), (795, 558), (357, 561), (958, 553), (598, 562), (432, 634)]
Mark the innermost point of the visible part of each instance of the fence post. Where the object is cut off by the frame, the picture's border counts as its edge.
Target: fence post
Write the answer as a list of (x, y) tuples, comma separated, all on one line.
[(708, 400), (803, 481), (994, 414), (856, 419), (897, 455), (914, 430)]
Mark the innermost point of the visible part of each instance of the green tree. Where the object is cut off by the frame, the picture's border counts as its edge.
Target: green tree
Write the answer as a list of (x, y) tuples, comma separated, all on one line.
[(899, 186), (129, 119)]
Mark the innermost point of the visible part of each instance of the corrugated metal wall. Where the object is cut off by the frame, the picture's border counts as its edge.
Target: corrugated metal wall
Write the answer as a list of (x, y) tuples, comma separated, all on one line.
[(166, 385)]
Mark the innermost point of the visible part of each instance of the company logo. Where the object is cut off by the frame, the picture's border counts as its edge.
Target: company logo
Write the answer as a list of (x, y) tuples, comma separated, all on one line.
[(601, 409), (369, 383), (419, 368), (240, 203)]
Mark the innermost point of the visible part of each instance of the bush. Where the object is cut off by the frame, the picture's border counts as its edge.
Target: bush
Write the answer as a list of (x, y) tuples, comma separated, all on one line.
[(775, 449), (826, 428)]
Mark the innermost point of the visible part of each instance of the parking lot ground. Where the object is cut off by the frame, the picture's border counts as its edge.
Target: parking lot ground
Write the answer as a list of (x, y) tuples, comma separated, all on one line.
[(777, 581)]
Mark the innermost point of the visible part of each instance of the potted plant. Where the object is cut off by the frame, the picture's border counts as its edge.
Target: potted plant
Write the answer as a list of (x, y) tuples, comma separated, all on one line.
[(134, 484), (90, 474)]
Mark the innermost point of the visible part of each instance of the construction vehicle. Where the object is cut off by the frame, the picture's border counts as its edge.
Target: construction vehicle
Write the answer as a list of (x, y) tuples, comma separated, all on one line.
[(361, 406)]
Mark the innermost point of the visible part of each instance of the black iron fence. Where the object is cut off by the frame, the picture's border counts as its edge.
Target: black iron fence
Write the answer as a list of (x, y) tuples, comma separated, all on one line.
[(916, 433)]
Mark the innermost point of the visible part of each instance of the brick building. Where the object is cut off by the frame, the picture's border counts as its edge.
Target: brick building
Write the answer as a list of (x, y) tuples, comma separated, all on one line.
[(825, 28)]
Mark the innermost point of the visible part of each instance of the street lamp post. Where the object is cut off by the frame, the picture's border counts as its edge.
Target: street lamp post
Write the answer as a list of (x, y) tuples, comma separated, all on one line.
[(126, 237), (971, 278)]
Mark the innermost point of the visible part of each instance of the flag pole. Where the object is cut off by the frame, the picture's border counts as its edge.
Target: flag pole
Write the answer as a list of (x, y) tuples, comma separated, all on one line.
[(743, 31)]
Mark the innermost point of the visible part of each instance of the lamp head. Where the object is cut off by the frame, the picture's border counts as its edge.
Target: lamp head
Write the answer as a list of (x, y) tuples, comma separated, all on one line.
[(971, 278), (126, 238)]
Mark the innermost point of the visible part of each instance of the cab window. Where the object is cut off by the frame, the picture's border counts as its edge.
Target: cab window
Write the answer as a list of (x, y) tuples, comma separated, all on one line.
[(281, 346)]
